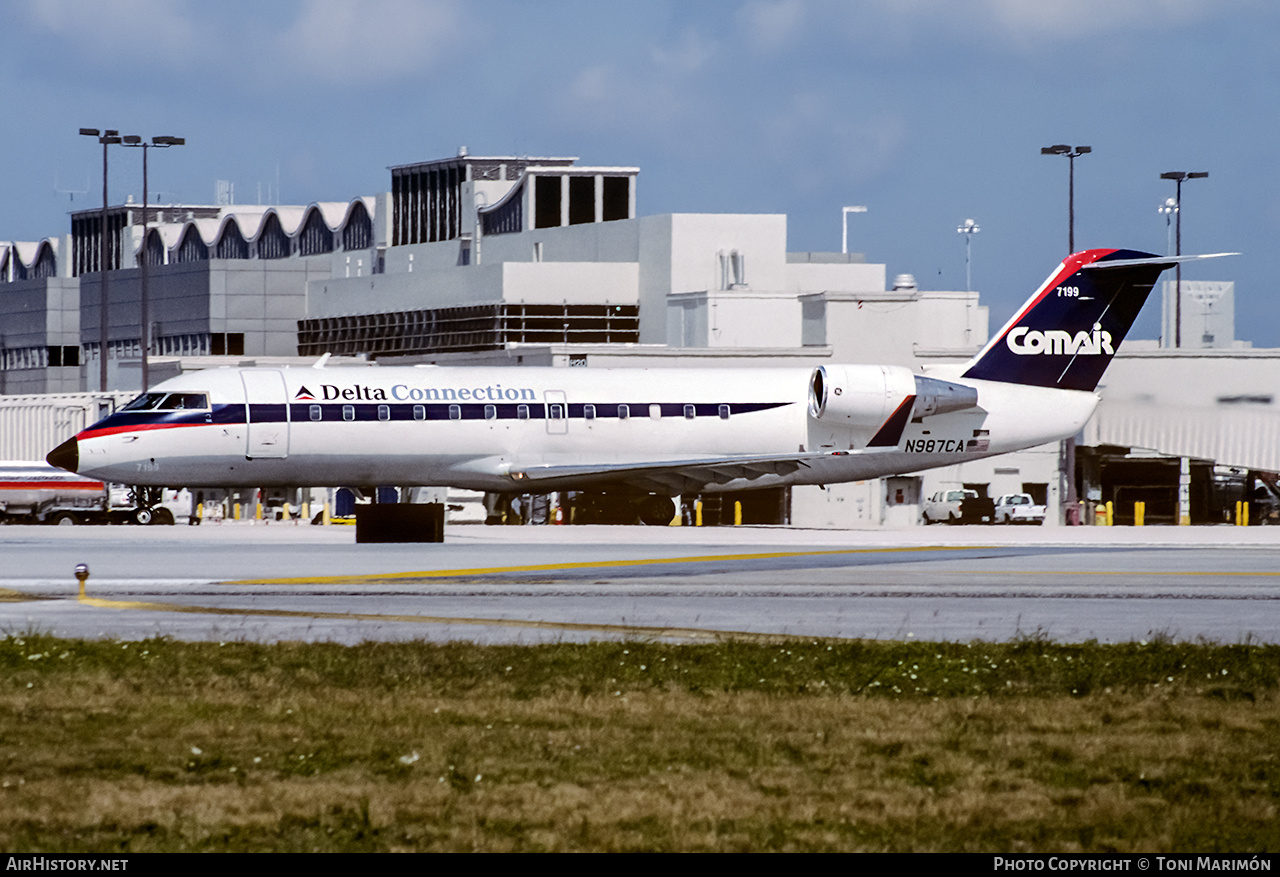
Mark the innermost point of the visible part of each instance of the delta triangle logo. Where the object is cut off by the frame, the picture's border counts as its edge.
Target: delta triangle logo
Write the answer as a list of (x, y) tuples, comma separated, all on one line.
[(304, 395)]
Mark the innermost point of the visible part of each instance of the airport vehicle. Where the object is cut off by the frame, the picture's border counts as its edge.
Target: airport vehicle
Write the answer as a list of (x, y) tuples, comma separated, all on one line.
[(652, 433), (945, 506), (957, 506), (35, 493), (1018, 508)]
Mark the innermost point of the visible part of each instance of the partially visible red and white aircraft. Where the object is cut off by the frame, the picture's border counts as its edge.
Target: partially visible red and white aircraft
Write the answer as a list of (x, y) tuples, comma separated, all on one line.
[(656, 433)]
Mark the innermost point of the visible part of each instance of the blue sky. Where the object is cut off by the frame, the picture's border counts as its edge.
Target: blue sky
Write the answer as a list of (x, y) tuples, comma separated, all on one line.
[(926, 111)]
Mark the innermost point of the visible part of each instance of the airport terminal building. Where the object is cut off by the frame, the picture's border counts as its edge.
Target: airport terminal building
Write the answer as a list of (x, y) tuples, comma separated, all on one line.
[(518, 260)]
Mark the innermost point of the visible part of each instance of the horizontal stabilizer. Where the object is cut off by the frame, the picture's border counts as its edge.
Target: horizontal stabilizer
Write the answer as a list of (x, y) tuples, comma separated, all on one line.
[(1162, 261)]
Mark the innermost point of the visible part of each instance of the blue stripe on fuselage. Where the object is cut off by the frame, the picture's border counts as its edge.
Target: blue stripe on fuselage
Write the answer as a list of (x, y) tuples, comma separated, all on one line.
[(331, 412)]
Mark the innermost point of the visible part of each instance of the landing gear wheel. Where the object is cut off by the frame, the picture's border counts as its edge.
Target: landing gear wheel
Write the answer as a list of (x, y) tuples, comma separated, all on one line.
[(143, 516), (657, 510)]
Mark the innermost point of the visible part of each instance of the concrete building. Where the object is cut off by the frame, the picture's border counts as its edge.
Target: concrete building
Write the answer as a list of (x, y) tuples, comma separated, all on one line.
[(511, 260)]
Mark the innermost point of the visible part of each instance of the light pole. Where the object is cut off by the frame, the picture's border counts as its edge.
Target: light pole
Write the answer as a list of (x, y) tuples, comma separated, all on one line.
[(162, 142), (1067, 459), (968, 228), (1167, 209), (1178, 177), (106, 138), (1072, 153), (844, 222)]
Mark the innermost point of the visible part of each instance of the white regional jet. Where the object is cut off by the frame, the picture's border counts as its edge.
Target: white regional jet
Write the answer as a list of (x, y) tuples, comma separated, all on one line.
[(652, 433)]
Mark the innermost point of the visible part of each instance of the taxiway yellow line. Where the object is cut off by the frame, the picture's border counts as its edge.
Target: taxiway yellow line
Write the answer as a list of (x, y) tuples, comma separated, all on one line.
[(585, 564), (375, 578), (628, 630)]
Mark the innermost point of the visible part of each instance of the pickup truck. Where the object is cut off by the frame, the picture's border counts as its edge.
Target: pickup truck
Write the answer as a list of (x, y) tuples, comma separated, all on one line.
[(958, 507), (1018, 508)]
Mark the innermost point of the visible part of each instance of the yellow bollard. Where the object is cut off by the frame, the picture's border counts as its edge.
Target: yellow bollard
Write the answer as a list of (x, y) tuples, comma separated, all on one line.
[(697, 513), (199, 511), (1244, 513), (1111, 514), (737, 513), (237, 510), (324, 518), (257, 511), (1139, 513), (306, 511)]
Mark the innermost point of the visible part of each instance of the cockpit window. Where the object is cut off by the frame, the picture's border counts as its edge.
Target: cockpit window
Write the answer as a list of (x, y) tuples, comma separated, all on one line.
[(145, 402), (185, 401), (168, 402)]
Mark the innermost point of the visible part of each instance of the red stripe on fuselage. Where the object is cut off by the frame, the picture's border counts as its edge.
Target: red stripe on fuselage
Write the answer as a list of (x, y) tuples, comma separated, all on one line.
[(51, 485), (133, 427)]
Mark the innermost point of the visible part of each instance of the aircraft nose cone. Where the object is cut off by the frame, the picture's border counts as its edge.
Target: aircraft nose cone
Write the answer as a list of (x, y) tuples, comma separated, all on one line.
[(65, 456)]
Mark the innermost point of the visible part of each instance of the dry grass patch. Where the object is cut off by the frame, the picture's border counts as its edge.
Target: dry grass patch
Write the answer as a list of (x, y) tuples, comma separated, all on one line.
[(161, 745)]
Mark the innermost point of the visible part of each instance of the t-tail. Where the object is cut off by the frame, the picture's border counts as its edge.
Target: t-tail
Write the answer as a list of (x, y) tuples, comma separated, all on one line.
[(1066, 334)]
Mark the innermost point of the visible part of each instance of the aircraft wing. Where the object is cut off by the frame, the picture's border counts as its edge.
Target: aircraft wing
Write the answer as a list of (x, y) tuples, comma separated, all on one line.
[(690, 475)]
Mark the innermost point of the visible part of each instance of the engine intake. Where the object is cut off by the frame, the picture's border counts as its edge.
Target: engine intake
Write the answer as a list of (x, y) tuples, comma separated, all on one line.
[(864, 396), (858, 395)]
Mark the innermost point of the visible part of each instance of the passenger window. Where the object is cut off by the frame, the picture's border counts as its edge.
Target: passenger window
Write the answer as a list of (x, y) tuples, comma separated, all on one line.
[(455, 412), (384, 412), (724, 412), (316, 413), (419, 412), (655, 411), (588, 412), (522, 412), (491, 412), (348, 412), (624, 412), (690, 412), (555, 411)]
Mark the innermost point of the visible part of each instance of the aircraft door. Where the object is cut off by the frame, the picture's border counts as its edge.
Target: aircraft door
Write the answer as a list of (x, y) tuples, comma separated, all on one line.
[(267, 409), (557, 412)]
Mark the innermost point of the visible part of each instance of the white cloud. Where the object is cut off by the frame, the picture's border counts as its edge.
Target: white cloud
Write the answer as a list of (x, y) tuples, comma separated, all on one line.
[(1026, 22), (832, 143), (360, 41), (116, 29), (688, 55), (772, 25)]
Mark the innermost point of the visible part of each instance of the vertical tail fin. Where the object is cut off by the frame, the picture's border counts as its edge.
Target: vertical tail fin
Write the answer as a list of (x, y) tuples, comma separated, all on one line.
[(1066, 334)]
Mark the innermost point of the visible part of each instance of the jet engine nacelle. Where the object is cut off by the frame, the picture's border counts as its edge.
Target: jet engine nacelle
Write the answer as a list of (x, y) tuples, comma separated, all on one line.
[(866, 395), (858, 396)]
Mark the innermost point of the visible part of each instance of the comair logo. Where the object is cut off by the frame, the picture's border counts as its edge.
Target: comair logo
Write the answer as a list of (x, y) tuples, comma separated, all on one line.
[(1056, 342)]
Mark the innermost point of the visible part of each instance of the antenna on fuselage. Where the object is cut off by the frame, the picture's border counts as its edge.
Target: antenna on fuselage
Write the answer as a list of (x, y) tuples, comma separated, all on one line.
[(322, 360)]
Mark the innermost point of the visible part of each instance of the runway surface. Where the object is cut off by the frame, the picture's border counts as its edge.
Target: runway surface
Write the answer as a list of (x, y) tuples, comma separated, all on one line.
[(539, 584)]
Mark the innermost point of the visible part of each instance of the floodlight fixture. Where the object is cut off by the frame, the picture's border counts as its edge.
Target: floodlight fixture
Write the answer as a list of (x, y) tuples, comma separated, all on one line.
[(1072, 153), (1178, 177)]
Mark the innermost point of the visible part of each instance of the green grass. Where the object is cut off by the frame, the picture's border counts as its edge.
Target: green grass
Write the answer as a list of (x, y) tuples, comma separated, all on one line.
[(166, 745)]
